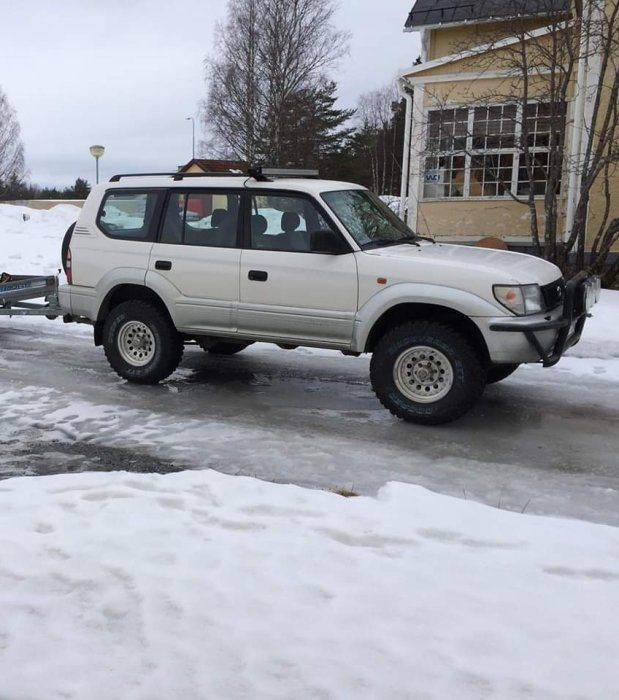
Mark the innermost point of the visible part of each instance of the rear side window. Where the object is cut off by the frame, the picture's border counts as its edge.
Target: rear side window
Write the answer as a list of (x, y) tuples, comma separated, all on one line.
[(128, 215), (201, 219)]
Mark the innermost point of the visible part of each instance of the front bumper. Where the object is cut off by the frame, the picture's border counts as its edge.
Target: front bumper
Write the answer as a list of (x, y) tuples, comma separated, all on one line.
[(581, 293)]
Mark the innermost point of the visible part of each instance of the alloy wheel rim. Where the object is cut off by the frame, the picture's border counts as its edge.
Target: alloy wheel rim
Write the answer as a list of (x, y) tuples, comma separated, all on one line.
[(136, 343), (423, 374)]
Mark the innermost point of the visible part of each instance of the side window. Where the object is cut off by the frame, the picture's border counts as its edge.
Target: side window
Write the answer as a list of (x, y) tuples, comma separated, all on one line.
[(201, 218), (284, 222), (126, 214)]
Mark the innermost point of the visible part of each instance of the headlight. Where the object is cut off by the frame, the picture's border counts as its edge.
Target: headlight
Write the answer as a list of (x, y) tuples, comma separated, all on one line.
[(521, 299)]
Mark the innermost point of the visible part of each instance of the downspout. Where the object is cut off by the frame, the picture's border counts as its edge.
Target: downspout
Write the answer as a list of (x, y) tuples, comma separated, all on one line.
[(594, 67), (406, 156), (578, 131)]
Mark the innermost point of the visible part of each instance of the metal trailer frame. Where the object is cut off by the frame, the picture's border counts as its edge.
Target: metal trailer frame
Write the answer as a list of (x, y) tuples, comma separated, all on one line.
[(15, 292)]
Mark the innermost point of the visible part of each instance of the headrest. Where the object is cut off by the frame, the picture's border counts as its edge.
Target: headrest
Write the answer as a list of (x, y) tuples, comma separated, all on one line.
[(290, 221), (258, 224), (217, 217)]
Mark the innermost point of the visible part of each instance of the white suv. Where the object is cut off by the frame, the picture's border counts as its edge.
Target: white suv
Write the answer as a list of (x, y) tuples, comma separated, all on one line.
[(157, 261)]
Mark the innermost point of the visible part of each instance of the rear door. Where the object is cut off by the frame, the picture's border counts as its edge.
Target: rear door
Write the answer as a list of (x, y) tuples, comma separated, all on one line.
[(194, 264)]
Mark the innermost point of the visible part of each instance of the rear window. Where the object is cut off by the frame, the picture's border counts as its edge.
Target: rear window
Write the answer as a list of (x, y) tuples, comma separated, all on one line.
[(128, 215)]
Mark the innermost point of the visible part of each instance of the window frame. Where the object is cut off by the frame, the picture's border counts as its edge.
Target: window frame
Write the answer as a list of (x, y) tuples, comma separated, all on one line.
[(263, 192), (153, 224), (188, 191), (469, 154)]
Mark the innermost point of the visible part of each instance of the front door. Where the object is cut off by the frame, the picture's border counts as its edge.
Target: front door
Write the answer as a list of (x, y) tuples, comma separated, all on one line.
[(195, 262), (287, 291)]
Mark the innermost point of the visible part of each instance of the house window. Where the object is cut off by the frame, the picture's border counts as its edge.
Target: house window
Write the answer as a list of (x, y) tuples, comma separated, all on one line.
[(473, 152)]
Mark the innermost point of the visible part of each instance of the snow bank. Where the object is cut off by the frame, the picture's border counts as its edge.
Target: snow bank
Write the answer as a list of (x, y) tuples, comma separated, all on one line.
[(200, 585), (30, 239)]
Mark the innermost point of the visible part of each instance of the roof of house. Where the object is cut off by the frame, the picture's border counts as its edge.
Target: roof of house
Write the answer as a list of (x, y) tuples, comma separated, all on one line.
[(215, 166), (433, 12)]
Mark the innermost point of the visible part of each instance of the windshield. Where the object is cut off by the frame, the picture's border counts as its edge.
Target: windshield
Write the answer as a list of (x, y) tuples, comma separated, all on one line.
[(368, 220)]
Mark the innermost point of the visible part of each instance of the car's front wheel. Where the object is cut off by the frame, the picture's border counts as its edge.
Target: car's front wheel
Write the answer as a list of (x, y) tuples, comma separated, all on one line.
[(426, 373), (140, 343)]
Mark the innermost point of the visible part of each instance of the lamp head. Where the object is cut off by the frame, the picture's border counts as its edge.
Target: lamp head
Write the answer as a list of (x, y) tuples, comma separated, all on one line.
[(97, 151)]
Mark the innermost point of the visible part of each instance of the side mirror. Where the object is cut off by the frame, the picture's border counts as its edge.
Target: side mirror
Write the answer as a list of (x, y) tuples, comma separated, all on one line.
[(326, 241)]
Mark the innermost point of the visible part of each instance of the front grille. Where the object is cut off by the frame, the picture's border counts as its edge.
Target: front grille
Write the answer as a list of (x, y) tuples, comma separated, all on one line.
[(554, 293)]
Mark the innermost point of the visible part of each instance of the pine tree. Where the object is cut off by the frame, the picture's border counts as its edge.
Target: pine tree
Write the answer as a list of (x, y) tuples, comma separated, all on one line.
[(313, 128)]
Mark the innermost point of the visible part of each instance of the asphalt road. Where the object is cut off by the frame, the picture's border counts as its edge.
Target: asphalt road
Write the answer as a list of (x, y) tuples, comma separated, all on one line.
[(544, 441)]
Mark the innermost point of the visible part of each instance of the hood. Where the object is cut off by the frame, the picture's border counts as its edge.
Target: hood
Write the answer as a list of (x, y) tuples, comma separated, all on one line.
[(497, 266)]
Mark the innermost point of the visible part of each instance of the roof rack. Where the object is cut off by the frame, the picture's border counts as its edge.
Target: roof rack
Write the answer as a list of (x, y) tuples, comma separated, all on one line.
[(257, 172), (266, 174), (178, 176)]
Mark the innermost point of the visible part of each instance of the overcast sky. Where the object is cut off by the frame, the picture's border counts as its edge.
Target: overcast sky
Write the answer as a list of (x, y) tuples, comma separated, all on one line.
[(127, 73)]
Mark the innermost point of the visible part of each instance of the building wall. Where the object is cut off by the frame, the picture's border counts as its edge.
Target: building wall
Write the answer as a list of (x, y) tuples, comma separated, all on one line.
[(449, 40), (468, 220)]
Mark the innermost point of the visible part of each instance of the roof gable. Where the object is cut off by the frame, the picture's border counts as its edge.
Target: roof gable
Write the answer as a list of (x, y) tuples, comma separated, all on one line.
[(214, 166), (427, 13)]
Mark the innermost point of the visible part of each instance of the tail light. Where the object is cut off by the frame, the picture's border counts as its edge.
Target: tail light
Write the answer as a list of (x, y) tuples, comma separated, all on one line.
[(68, 269)]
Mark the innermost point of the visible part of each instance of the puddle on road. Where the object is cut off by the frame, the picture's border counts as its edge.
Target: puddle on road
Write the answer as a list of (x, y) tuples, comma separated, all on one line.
[(43, 458)]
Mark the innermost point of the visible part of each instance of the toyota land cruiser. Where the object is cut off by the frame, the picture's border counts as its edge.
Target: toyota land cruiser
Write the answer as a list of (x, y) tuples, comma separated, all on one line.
[(157, 261)]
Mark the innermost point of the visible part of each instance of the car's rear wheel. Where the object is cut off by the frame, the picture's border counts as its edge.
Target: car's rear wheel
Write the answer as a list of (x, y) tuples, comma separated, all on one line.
[(140, 343), (426, 373)]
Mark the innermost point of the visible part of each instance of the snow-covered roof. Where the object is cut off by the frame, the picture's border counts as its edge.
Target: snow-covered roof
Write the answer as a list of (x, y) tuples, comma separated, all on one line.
[(426, 13)]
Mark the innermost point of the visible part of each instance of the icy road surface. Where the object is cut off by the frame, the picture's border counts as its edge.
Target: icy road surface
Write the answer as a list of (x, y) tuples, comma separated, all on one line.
[(544, 441)]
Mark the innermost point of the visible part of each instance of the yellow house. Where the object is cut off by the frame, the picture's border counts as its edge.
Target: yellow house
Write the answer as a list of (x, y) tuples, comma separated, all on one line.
[(492, 132)]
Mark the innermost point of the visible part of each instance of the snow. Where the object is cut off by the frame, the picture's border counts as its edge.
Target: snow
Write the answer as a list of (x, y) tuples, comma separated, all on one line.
[(205, 585), (30, 239), (202, 585), (392, 202)]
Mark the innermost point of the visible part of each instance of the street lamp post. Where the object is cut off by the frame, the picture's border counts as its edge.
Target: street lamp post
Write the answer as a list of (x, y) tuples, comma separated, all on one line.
[(96, 152), (193, 136)]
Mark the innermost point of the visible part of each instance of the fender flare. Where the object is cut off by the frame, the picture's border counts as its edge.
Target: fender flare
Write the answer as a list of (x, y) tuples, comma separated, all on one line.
[(453, 299)]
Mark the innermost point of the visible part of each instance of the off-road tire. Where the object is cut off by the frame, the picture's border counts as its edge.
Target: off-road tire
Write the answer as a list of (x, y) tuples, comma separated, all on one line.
[(456, 386), (497, 373), (222, 348), (140, 343)]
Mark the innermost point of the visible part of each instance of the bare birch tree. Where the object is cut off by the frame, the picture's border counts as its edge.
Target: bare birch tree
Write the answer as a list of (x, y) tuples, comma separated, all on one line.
[(11, 146), (266, 53)]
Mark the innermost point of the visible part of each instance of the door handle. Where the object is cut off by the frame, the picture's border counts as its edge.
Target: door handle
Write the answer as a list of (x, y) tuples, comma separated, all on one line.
[(258, 275), (163, 265)]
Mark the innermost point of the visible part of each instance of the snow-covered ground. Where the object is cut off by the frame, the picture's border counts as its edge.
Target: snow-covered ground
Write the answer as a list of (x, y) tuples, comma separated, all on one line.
[(205, 585)]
